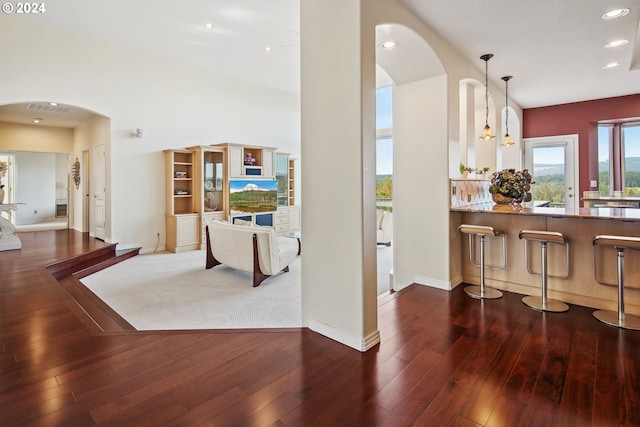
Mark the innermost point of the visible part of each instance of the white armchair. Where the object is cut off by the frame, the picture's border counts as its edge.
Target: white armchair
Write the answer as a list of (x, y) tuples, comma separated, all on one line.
[(384, 230), (250, 248)]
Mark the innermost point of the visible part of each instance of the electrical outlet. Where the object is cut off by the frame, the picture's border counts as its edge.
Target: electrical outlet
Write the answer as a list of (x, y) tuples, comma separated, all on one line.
[(594, 183)]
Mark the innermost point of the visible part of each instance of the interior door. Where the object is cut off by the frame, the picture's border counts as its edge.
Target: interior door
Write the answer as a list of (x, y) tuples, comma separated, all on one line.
[(86, 190), (99, 167), (553, 163)]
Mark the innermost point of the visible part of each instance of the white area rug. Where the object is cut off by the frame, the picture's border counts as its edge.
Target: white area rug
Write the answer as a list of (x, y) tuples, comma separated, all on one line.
[(163, 291)]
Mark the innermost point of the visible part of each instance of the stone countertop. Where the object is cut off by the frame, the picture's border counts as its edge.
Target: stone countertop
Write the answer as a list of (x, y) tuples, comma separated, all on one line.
[(614, 198), (623, 214)]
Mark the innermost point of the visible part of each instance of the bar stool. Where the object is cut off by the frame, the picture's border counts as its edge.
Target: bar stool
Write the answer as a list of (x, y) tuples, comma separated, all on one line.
[(483, 291), (543, 303), (619, 319)]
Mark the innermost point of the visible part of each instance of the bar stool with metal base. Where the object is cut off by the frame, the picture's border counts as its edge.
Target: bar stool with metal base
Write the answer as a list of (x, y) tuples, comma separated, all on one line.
[(542, 303), (619, 319), (482, 231)]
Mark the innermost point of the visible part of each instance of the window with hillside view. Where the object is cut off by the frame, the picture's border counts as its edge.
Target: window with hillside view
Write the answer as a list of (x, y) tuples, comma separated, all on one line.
[(605, 145), (619, 158), (384, 147), (549, 175), (631, 163)]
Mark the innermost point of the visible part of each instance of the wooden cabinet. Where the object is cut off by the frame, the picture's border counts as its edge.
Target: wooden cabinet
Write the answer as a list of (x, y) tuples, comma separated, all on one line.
[(250, 161), (183, 232), (210, 185), (285, 175), (179, 182), (182, 220), (287, 217), (292, 181)]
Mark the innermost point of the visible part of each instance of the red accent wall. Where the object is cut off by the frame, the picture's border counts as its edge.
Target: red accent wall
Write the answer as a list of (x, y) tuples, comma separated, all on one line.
[(580, 118)]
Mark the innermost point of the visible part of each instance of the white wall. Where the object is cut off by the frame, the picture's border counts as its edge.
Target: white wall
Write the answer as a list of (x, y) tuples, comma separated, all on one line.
[(87, 135), (175, 105), (35, 186), (62, 177), (420, 190)]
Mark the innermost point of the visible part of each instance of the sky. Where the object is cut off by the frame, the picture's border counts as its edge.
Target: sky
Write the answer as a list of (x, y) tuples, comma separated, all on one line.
[(631, 137)]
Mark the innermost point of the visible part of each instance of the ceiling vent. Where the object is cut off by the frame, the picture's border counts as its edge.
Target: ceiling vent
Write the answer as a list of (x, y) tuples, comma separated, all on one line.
[(47, 107)]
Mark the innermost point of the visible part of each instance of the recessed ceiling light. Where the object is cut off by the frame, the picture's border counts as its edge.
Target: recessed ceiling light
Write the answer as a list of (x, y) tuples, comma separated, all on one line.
[(37, 120), (613, 14), (53, 104), (616, 43), (267, 49), (389, 45), (208, 26), (611, 65)]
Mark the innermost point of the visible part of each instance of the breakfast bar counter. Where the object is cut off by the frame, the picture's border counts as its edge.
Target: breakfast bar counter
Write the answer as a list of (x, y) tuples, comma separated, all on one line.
[(612, 213), (579, 225)]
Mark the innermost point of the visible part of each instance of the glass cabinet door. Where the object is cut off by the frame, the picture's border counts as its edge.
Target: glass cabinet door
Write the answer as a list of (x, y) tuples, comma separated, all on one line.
[(213, 181), (282, 176)]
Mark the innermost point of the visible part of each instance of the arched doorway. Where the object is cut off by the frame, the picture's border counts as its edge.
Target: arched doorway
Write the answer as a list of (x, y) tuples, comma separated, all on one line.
[(46, 139), (416, 74)]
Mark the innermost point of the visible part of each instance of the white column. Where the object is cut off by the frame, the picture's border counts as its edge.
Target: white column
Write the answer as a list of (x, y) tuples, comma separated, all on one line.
[(338, 178)]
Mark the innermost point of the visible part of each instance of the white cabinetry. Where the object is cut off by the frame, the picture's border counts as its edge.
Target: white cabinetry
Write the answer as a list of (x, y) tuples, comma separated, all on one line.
[(236, 156), (287, 219), (294, 218), (249, 161), (282, 220)]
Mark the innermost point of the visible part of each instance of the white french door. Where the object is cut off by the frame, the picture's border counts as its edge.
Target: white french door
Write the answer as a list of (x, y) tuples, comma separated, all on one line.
[(99, 167), (553, 163)]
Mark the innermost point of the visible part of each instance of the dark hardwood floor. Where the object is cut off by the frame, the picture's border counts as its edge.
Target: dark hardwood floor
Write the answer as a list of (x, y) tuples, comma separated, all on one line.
[(445, 360)]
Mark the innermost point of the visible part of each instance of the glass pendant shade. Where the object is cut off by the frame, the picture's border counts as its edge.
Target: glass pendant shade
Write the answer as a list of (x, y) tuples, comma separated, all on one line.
[(506, 141), (486, 133)]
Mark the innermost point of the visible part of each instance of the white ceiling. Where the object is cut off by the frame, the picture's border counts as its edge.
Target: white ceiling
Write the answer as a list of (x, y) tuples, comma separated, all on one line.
[(553, 48)]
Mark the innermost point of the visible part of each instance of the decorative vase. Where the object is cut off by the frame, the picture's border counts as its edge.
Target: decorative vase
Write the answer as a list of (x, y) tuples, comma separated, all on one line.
[(501, 200), (1, 195)]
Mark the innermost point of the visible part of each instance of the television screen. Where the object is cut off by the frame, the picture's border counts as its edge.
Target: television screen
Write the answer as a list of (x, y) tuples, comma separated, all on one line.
[(252, 196)]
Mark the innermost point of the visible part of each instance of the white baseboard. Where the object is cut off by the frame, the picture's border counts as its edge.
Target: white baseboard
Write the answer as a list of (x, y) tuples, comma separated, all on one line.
[(434, 283), (359, 343)]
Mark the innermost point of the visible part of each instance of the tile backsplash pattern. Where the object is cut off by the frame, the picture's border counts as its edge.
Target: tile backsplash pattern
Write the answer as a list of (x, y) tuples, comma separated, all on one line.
[(467, 192)]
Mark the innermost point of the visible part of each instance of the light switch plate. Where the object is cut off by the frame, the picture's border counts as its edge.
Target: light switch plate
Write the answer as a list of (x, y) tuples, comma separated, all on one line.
[(594, 183)]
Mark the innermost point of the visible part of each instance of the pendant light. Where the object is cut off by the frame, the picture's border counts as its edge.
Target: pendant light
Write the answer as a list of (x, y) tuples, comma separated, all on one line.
[(486, 133), (507, 139)]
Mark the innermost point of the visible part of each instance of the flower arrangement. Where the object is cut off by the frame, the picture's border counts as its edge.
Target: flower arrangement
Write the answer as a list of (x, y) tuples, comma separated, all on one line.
[(511, 186), (249, 160), (4, 167)]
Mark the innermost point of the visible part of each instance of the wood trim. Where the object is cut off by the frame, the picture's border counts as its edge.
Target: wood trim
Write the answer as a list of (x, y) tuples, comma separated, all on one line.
[(258, 275), (211, 260)]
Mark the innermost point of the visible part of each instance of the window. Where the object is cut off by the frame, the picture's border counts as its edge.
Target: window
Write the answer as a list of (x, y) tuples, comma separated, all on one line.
[(619, 158), (631, 164), (384, 146), (605, 144)]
